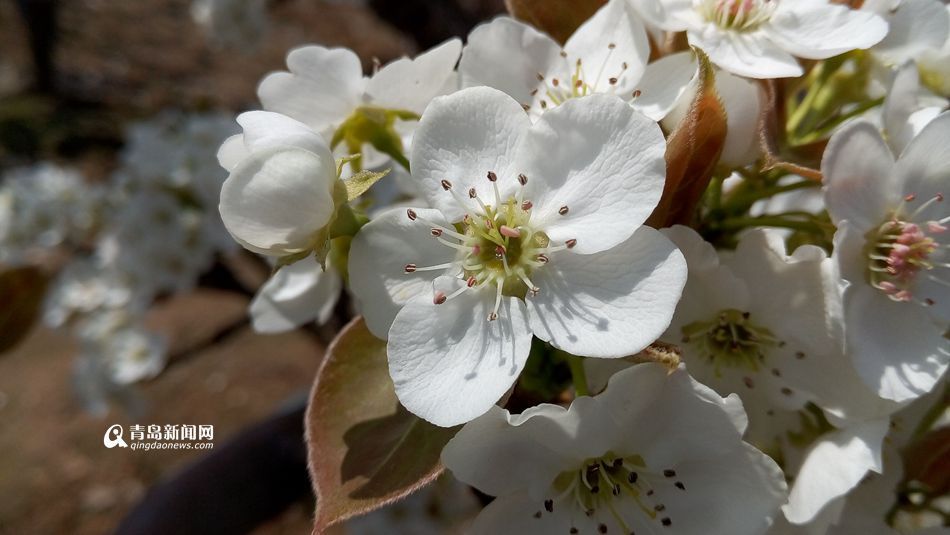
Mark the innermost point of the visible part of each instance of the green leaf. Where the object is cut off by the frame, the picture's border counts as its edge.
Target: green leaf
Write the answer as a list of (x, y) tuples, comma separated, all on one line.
[(557, 18), (361, 181), (377, 127), (21, 298), (365, 449), (692, 153)]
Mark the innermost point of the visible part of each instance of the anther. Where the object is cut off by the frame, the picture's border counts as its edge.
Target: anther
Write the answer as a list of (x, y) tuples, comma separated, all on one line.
[(410, 268), (436, 232), (666, 521), (669, 473), (544, 104), (612, 46), (472, 193), (748, 382), (527, 205), (555, 82), (499, 251), (612, 81), (522, 179), (492, 177), (540, 77), (439, 298), (602, 528), (637, 93), (679, 485), (570, 243), (563, 210), (632, 478), (412, 214), (549, 505), (543, 258), (446, 185), (493, 316), (509, 232), (910, 197)]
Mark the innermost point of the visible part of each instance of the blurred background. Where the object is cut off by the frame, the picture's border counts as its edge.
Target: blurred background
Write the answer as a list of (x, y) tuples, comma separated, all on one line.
[(111, 112)]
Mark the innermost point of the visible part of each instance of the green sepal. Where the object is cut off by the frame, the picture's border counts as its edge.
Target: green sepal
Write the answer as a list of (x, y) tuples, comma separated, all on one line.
[(361, 181), (375, 126)]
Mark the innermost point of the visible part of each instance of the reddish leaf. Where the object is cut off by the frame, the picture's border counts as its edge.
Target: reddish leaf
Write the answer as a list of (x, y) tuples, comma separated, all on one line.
[(557, 18), (692, 152), (21, 299), (365, 449)]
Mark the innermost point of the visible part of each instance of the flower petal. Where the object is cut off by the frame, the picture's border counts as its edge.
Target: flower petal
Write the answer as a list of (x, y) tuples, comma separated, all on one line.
[(664, 84), (378, 257), (409, 84), (817, 29), (525, 452), (323, 87), (461, 138), (749, 54), (515, 513), (896, 348), (923, 168), (857, 168), (914, 27), (276, 199), (297, 294), (612, 45), (601, 160), (508, 55), (448, 362), (609, 304), (834, 466)]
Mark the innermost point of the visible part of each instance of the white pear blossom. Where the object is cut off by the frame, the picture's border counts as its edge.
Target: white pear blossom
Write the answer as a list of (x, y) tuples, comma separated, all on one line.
[(296, 294), (765, 326), (762, 38), (535, 229), (891, 248), (606, 54), (325, 86), (279, 194), (934, 65), (654, 453)]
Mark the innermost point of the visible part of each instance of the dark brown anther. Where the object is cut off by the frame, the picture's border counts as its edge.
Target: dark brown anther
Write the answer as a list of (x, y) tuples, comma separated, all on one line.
[(436, 232), (563, 210), (612, 81), (570, 243), (637, 93), (543, 258), (492, 177), (669, 473), (412, 214), (472, 281), (446, 185), (612, 46), (526, 205), (499, 251), (439, 298), (472, 193), (522, 179), (549, 505), (410, 268)]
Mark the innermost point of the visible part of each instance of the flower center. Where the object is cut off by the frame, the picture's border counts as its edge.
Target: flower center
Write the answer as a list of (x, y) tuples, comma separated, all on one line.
[(901, 250), (613, 484), (496, 243), (554, 91), (737, 15), (731, 340)]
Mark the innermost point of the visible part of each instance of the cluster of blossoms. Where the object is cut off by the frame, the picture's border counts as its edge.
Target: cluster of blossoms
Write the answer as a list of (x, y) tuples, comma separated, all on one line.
[(802, 309), (149, 231)]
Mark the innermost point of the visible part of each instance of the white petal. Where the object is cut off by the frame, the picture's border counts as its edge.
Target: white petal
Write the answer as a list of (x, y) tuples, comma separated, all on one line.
[(743, 101), (264, 129), (816, 29), (232, 151), (500, 453), (614, 24), (923, 169), (601, 160), (448, 362), (834, 466), (896, 348), (749, 54), (668, 83), (737, 493), (409, 84), (858, 176), (901, 103), (609, 304), (275, 201), (514, 514), (323, 87), (508, 55), (378, 257), (916, 26), (297, 294), (461, 138)]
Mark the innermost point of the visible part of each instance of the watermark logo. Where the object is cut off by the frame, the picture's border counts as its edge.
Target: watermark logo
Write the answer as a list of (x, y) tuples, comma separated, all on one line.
[(113, 437), (161, 437)]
